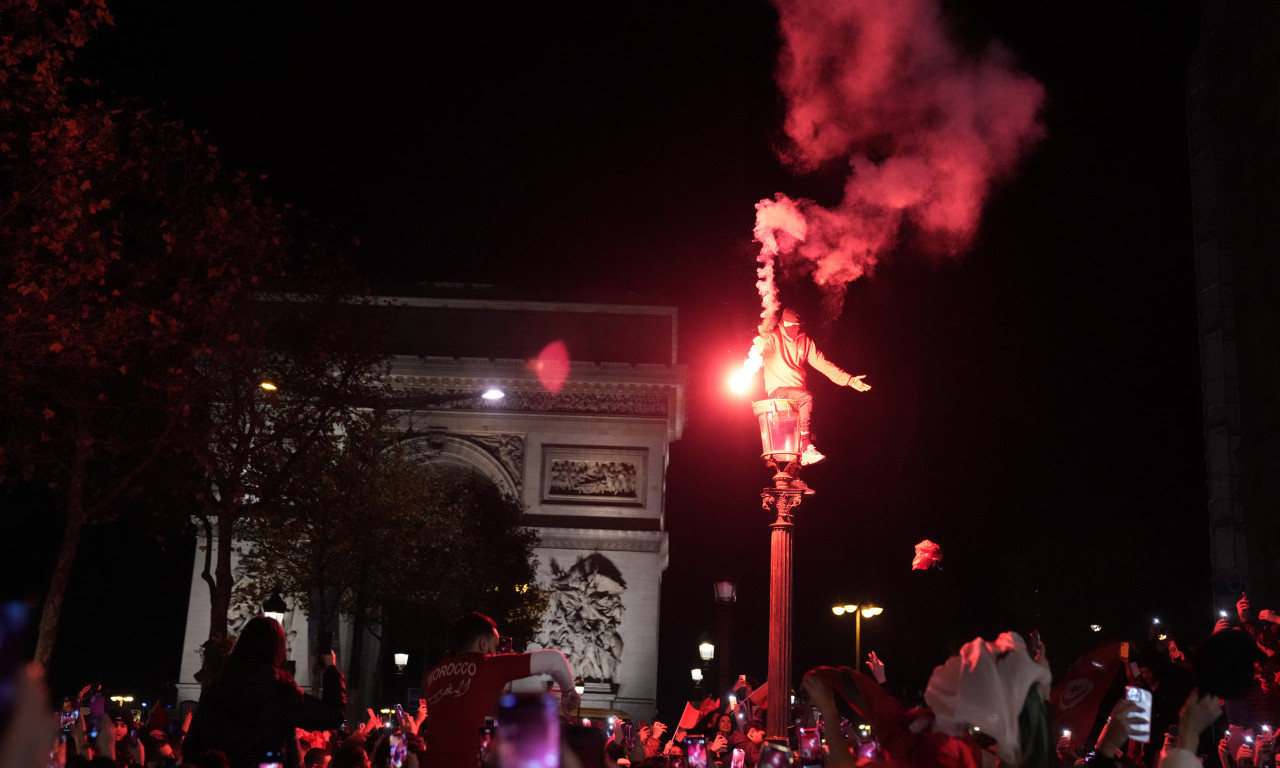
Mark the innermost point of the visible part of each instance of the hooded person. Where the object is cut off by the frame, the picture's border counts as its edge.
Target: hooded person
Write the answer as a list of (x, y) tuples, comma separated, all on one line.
[(784, 350)]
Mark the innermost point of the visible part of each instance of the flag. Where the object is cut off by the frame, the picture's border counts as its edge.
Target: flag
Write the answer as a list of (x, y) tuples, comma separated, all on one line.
[(689, 718), (1075, 699)]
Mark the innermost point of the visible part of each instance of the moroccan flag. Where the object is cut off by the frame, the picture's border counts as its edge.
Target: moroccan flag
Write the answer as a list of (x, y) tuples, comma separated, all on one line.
[(1076, 697)]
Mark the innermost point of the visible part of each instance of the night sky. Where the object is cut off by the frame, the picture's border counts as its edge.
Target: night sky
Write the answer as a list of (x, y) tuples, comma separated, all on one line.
[(1036, 398)]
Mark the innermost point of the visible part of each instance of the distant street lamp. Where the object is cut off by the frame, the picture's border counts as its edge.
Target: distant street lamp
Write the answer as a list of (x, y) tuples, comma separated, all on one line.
[(780, 438), (707, 650), (275, 608), (696, 674), (726, 595), (866, 610), (402, 661)]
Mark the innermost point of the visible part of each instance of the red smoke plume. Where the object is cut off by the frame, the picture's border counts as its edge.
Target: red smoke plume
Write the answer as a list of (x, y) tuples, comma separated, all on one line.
[(925, 128)]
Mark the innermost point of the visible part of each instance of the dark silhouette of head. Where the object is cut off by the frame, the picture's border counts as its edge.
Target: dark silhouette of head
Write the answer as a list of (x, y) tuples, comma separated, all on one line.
[(470, 627), (1223, 665), (261, 642)]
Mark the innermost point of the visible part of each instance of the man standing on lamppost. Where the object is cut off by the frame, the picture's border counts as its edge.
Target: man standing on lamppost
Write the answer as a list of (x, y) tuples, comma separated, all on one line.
[(784, 351)]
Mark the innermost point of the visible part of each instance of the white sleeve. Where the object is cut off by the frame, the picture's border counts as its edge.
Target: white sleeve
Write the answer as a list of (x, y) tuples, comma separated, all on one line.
[(1180, 757), (551, 662)]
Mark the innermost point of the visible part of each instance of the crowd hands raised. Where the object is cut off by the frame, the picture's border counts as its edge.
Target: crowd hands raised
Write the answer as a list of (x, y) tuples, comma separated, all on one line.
[(988, 706), (991, 705)]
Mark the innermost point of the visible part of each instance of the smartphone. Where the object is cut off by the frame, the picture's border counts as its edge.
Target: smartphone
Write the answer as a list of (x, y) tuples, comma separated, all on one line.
[(739, 759), (486, 745), (14, 627), (1141, 731), (868, 749), (324, 646), (809, 746), (505, 644), (271, 760), (628, 735), (528, 733), (695, 748), (774, 756), (398, 750), (97, 712), (399, 715), (675, 761)]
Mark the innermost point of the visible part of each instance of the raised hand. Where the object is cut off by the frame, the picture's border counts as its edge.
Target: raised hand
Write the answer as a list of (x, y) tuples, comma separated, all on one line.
[(877, 666)]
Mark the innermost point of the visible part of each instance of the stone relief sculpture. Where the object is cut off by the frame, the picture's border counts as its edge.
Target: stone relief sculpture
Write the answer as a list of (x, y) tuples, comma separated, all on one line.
[(593, 478), (584, 616)]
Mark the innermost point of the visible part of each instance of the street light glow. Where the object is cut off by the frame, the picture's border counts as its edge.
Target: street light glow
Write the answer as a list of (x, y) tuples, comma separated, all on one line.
[(493, 393)]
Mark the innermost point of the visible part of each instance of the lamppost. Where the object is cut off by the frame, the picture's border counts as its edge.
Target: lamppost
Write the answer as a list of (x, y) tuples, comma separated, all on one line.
[(726, 595), (866, 610), (780, 438)]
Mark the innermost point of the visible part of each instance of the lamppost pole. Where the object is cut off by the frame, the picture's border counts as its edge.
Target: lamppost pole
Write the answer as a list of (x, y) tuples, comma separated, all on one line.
[(780, 435)]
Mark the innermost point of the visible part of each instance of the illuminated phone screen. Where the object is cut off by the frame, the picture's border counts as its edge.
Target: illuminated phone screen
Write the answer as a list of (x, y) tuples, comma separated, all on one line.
[(528, 732), (695, 748), (810, 746)]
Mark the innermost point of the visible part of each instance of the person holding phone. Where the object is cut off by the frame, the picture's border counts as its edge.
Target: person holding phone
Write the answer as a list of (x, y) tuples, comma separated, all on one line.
[(462, 690)]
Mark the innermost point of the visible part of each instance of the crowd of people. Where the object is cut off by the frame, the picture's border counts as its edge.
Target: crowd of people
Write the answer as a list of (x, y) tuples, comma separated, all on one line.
[(1214, 704)]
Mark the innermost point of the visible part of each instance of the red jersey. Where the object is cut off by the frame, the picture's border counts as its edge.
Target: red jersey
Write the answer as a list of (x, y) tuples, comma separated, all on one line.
[(461, 692)]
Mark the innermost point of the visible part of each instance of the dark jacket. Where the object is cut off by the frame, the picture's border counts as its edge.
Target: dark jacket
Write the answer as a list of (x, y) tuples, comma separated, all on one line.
[(252, 710)]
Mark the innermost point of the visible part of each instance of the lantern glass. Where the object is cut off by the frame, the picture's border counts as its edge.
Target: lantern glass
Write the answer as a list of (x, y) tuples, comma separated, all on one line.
[(779, 428)]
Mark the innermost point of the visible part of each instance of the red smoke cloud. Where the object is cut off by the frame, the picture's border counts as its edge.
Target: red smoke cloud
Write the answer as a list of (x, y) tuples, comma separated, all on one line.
[(924, 127)]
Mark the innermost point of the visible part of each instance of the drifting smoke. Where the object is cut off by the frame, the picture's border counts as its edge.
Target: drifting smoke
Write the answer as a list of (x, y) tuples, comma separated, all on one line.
[(924, 127)]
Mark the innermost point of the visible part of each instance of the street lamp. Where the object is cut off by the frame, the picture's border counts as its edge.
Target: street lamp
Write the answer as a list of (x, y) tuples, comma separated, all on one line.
[(707, 650), (696, 674), (780, 438), (866, 610), (402, 661), (726, 595), (275, 608)]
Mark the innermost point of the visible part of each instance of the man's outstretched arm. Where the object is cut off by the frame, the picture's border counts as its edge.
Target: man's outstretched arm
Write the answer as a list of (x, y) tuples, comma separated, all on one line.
[(552, 663), (832, 371)]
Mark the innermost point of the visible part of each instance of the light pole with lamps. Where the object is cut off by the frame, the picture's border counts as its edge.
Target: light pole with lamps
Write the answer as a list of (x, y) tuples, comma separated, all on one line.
[(780, 439), (726, 595), (866, 610)]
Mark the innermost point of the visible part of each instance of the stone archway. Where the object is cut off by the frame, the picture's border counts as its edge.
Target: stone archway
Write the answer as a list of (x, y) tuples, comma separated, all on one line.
[(458, 452)]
